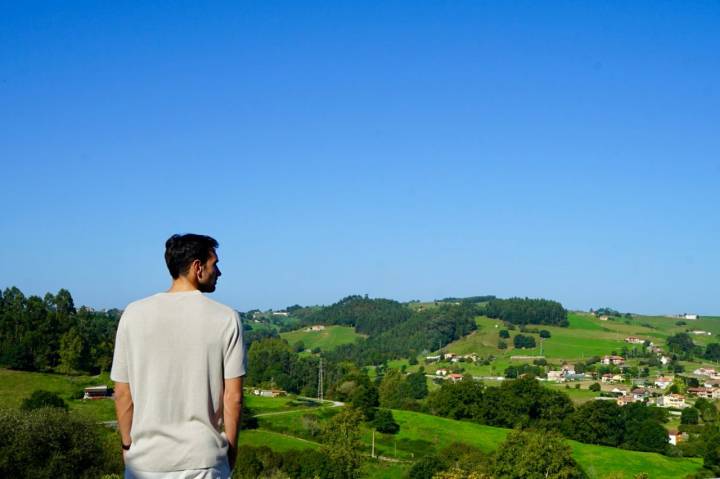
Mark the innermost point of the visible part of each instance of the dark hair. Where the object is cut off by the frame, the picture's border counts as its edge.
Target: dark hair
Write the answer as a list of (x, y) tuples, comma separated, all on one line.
[(182, 250)]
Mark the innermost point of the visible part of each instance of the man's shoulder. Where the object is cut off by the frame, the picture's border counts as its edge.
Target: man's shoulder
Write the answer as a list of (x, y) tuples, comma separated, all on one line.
[(140, 303), (218, 307)]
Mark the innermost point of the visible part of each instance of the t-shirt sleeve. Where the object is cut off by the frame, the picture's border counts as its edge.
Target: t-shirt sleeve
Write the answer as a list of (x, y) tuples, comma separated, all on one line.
[(234, 360), (119, 370)]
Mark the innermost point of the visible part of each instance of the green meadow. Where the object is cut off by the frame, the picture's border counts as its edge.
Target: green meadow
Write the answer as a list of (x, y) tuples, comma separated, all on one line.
[(326, 339), (18, 385)]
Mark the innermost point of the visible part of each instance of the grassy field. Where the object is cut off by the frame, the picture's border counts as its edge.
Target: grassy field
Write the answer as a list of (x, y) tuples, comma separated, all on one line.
[(275, 440), (327, 339), (18, 385)]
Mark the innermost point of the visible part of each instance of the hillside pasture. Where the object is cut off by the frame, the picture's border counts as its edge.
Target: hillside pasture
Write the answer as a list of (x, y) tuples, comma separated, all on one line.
[(15, 386), (326, 339)]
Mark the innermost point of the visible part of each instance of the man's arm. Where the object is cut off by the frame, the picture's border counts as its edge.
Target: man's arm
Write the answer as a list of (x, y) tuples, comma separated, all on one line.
[(124, 411), (232, 410)]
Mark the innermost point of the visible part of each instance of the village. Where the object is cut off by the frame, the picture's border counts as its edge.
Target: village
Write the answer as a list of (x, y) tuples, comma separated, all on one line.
[(663, 390)]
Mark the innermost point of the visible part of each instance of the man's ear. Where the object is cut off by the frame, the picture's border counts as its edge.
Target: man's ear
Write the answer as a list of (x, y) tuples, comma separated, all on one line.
[(196, 267)]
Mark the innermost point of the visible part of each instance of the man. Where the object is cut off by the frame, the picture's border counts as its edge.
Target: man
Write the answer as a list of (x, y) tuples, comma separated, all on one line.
[(178, 367)]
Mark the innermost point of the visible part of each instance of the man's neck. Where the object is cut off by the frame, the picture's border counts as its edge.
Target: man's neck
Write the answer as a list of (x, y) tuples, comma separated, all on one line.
[(181, 285)]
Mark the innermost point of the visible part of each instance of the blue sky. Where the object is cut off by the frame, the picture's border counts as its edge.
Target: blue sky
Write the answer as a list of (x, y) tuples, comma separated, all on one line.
[(410, 150)]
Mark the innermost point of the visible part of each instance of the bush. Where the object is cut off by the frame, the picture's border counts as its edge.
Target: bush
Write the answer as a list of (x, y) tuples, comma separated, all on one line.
[(594, 387), (544, 333), (504, 333), (51, 443), (502, 344), (521, 341), (40, 399)]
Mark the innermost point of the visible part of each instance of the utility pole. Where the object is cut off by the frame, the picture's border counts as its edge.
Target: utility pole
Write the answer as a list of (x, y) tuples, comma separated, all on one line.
[(373, 445), (321, 395)]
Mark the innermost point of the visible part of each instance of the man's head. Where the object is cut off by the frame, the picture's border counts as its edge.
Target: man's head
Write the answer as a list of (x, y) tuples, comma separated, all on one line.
[(194, 258)]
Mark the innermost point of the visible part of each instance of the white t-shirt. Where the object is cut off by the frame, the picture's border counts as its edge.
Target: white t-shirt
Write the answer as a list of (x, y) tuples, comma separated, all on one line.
[(175, 350)]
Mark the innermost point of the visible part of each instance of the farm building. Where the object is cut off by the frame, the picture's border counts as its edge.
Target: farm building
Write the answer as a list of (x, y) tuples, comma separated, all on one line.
[(269, 393), (97, 392)]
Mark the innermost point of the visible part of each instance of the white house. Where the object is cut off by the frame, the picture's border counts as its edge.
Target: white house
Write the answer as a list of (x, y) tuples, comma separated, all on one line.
[(665, 360), (662, 382), (701, 392), (441, 372), (634, 340), (704, 372), (616, 360), (557, 376), (690, 316), (676, 401)]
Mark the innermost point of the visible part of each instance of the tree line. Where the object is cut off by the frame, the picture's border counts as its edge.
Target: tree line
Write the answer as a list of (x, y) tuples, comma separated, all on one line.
[(49, 333), (527, 311)]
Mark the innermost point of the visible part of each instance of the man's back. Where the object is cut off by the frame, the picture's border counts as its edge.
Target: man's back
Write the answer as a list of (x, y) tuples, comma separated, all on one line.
[(175, 350)]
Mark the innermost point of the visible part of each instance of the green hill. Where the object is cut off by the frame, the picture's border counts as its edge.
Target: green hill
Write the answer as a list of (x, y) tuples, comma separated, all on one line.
[(422, 434)]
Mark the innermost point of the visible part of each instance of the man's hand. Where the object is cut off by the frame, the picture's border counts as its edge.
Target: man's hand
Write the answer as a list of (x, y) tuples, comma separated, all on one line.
[(232, 410)]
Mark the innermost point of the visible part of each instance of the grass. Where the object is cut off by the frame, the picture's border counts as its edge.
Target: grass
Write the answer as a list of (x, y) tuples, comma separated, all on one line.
[(274, 440), (326, 339), (18, 385)]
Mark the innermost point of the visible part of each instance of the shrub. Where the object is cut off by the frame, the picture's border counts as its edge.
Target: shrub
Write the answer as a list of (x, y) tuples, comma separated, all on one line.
[(40, 399), (51, 443), (594, 387)]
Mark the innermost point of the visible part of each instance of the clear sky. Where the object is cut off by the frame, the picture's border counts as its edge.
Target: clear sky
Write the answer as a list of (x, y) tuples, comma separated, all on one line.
[(409, 150)]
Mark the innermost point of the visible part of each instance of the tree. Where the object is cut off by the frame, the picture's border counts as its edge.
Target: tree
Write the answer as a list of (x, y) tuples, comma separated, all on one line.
[(504, 333), (342, 444), (689, 415), (502, 344), (711, 458), (71, 352), (681, 343), (384, 422), (40, 399), (648, 435), (365, 398), (544, 333), (393, 390), (708, 411), (596, 422), (416, 384), (535, 455), (712, 352), (594, 387)]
